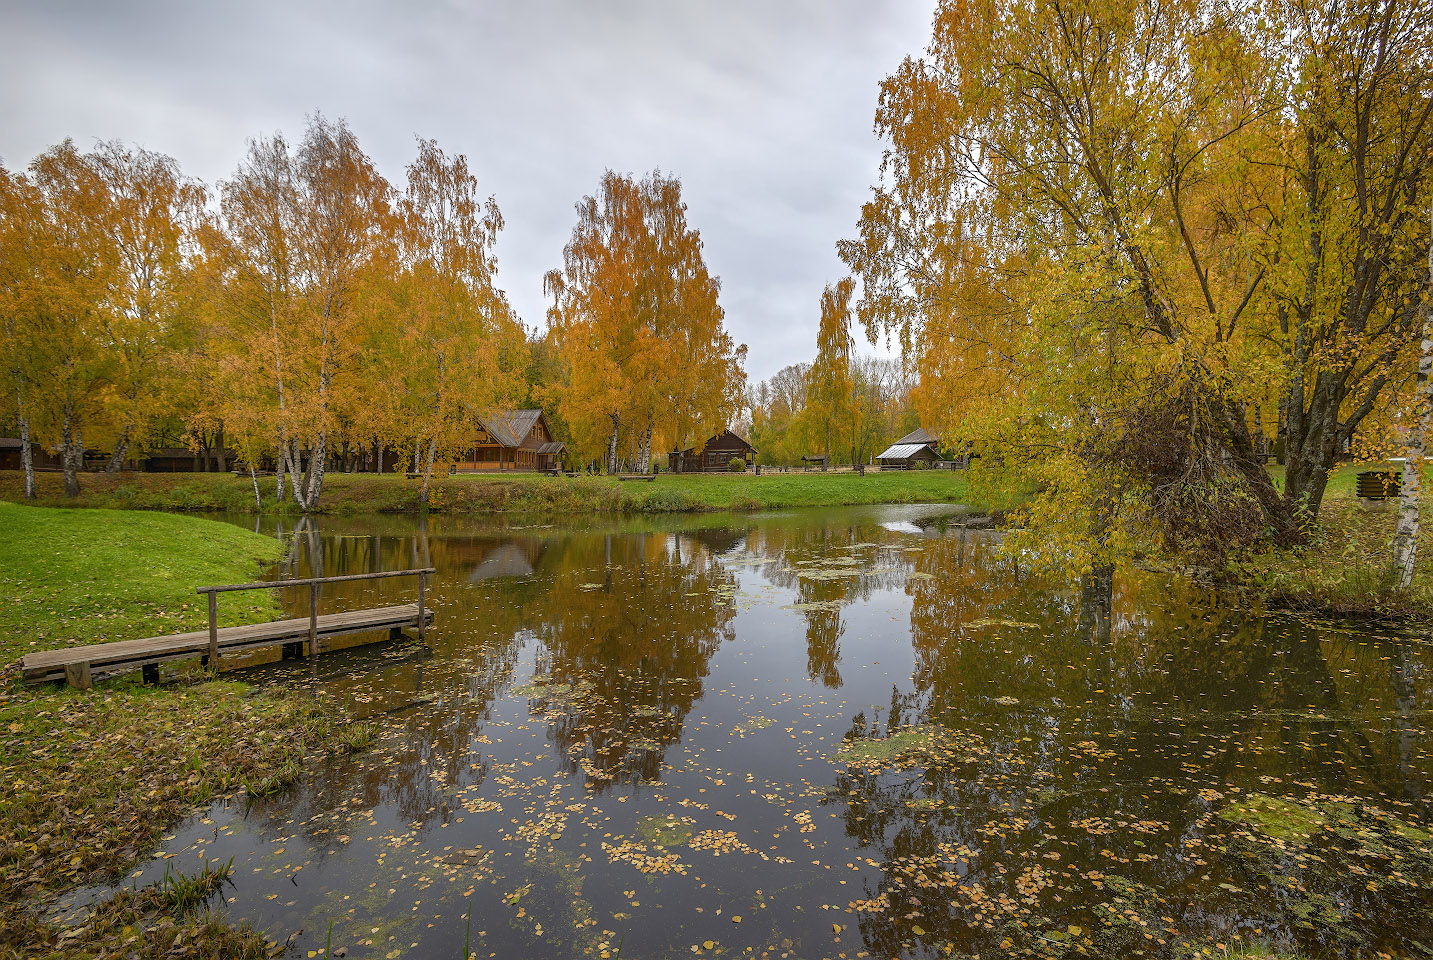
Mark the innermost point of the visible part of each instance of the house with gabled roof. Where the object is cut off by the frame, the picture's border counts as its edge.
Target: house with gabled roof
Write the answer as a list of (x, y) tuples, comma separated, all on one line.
[(714, 456), (511, 440)]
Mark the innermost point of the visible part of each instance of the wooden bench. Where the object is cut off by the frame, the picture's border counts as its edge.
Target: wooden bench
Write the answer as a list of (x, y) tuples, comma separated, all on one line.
[(649, 477)]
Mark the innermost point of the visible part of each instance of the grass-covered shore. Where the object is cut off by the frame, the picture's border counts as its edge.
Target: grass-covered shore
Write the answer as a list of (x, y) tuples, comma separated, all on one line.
[(1345, 569), (89, 781), (512, 493)]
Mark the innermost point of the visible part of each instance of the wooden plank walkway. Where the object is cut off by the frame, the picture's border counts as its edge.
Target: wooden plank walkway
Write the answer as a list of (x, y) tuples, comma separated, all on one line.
[(107, 659)]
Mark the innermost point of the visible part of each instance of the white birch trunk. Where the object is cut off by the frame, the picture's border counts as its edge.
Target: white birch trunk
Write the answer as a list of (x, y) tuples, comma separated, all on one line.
[(1405, 536), (428, 473), (612, 444), (254, 478), (318, 458), (280, 461), (27, 456), (121, 447), (644, 450)]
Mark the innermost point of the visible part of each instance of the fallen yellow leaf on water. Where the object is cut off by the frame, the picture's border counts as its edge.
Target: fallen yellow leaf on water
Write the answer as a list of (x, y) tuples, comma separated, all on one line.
[(917, 929), (736, 919)]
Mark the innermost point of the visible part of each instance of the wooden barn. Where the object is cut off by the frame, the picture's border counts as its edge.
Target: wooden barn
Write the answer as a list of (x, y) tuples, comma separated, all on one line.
[(511, 440), (715, 456), (10, 459), (913, 451)]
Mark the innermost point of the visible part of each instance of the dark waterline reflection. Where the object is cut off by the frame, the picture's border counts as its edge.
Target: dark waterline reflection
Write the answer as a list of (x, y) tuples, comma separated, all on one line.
[(630, 734)]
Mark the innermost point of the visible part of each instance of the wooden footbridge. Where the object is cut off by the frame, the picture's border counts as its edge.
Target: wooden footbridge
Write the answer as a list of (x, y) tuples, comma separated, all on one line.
[(81, 666)]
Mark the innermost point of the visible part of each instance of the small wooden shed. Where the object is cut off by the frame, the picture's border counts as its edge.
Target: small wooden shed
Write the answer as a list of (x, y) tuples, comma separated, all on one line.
[(714, 456), (916, 449)]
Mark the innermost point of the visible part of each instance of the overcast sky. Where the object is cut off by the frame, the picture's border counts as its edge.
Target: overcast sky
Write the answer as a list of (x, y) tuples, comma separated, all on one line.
[(762, 107)]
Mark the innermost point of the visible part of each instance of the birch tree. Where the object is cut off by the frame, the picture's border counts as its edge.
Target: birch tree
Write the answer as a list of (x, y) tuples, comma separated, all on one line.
[(636, 315), (19, 219), (456, 345), (74, 259), (1096, 223), (152, 210), (1405, 536), (830, 393)]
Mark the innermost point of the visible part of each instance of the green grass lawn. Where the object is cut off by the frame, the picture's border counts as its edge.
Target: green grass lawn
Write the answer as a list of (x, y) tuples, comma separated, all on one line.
[(85, 576), (511, 493), (1345, 568), (91, 779)]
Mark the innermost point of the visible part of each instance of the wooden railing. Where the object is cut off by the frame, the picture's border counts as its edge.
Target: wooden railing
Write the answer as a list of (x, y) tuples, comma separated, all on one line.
[(313, 584)]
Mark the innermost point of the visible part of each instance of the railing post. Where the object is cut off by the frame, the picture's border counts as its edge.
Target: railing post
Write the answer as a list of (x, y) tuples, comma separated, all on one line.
[(213, 631), (313, 620), (422, 621)]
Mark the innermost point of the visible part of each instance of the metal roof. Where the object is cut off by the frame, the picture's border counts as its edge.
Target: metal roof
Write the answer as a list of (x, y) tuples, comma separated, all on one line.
[(551, 446), (901, 451), (918, 435), (511, 427)]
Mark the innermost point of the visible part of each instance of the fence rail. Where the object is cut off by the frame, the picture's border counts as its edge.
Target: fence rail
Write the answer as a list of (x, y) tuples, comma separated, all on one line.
[(313, 583)]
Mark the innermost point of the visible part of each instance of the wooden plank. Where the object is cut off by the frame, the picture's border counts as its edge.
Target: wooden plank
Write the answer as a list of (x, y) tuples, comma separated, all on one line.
[(104, 659), (269, 584), (78, 675)]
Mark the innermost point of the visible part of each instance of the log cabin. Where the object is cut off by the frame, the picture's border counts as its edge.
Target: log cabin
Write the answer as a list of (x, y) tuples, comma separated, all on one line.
[(714, 456), (511, 440)]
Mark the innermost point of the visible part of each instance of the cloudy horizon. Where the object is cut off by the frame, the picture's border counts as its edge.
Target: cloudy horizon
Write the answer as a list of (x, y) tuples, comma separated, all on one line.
[(764, 111)]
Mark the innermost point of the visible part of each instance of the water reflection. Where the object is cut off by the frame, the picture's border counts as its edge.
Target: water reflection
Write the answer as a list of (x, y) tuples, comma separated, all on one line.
[(614, 733)]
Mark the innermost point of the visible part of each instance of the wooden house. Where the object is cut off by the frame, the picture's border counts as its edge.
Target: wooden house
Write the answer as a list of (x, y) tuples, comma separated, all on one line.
[(715, 455), (511, 440), (10, 455), (915, 450), (186, 460)]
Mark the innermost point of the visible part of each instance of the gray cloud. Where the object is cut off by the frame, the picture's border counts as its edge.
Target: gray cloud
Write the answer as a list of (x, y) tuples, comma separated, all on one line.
[(762, 108)]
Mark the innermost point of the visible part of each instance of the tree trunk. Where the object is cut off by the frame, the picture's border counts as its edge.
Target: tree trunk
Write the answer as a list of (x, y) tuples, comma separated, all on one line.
[(1278, 511), (1096, 598), (280, 462), (220, 456), (317, 462), (644, 454), (378, 445), (254, 478), (427, 474), (121, 448), (612, 444), (298, 481), (69, 457), (1405, 537), (27, 457)]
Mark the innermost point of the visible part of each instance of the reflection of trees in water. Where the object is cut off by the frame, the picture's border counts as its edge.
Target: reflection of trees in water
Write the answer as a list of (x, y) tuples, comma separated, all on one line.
[(1081, 730), (425, 753), (816, 548), (632, 623), (480, 631)]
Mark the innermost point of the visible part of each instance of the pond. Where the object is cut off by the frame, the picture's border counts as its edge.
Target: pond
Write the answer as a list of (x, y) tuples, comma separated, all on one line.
[(829, 733)]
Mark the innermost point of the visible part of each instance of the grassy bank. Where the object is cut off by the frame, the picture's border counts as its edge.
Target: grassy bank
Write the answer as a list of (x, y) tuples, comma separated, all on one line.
[(92, 779), (514, 493), (1344, 569)]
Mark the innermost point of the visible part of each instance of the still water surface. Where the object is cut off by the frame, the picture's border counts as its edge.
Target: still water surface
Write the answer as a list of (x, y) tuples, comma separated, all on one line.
[(632, 734)]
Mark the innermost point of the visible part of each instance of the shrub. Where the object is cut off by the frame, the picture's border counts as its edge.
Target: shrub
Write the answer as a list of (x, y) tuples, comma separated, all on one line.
[(737, 465)]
